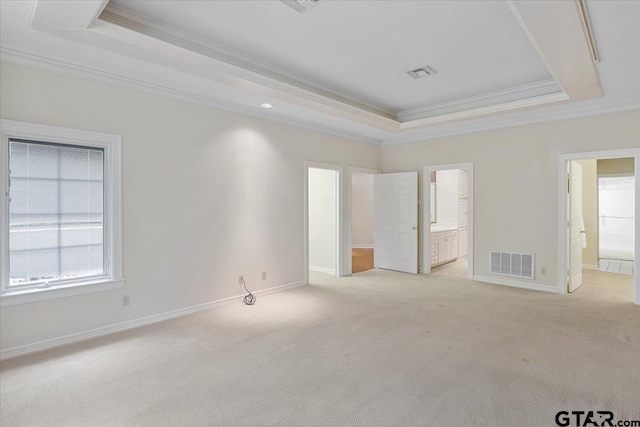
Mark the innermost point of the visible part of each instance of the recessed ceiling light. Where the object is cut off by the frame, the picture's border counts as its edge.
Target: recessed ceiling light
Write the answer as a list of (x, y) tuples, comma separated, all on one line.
[(266, 105)]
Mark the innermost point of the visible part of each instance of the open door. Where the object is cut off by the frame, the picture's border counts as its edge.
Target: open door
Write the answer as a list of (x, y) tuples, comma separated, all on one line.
[(576, 226), (396, 221)]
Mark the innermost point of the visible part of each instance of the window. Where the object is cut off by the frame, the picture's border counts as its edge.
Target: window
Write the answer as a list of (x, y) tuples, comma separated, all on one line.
[(61, 220)]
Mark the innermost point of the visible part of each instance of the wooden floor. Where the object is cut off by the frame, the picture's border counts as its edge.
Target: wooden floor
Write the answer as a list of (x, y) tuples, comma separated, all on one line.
[(362, 260), (616, 266)]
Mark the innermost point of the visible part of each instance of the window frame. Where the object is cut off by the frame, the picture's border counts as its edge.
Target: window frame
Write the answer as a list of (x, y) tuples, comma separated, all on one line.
[(112, 146)]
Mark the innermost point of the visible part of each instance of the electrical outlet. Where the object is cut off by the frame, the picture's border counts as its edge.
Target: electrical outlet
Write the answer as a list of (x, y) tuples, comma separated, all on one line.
[(264, 275), (240, 279), (126, 300), (543, 270)]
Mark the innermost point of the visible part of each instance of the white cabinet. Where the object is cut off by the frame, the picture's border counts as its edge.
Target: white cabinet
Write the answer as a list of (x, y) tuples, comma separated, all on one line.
[(463, 241), (444, 246), (463, 213), (463, 184), (455, 250), (444, 249)]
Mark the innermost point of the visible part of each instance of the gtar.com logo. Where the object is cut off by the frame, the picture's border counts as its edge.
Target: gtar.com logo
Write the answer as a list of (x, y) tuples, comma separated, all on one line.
[(591, 418)]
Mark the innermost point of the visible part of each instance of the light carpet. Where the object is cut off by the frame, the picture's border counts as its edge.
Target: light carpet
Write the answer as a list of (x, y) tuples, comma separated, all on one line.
[(376, 349)]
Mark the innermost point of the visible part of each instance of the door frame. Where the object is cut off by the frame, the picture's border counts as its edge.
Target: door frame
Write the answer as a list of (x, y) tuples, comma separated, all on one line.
[(348, 260), (563, 247), (339, 232), (426, 209)]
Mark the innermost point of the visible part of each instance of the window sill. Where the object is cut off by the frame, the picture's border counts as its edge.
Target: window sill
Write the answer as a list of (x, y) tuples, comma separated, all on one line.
[(34, 295)]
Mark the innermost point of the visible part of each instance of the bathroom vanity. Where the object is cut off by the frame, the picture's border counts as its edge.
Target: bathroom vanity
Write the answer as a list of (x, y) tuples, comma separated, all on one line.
[(444, 245)]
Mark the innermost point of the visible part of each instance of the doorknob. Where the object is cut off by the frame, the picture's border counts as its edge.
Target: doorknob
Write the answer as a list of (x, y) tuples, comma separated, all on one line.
[(414, 228)]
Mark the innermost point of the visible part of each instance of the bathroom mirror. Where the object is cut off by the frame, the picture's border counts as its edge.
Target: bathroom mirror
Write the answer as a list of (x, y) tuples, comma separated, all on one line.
[(432, 202)]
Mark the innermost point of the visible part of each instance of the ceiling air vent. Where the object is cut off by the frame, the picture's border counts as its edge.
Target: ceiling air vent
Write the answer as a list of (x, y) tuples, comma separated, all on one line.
[(512, 264), (301, 5), (418, 73)]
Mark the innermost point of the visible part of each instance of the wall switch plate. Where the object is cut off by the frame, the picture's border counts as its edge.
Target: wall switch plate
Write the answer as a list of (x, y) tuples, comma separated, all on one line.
[(543, 270), (126, 300), (264, 275), (240, 279)]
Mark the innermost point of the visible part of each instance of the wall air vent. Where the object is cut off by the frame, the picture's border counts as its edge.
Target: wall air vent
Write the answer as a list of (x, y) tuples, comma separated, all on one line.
[(421, 72), (512, 264), (301, 5)]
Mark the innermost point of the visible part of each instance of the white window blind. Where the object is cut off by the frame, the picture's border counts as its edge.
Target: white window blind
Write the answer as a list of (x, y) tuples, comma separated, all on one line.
[(56, 212)]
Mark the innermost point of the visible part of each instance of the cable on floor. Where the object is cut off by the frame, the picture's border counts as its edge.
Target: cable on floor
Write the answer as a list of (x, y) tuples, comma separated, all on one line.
[(248, 299)]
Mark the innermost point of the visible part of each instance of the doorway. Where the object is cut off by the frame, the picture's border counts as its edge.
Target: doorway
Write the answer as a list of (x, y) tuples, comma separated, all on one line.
[(395, 220), (322, 219), (447, 216), (599, 223), (361, 220)]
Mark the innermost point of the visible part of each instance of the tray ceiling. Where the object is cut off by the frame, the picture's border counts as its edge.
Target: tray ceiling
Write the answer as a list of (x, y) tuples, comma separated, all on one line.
[(363, 49), (341, 67)]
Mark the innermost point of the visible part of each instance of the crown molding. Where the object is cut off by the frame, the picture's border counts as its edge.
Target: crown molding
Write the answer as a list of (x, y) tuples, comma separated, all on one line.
[(501, 122), (490, 123), (517, 93), (488, 111), (80, 71)]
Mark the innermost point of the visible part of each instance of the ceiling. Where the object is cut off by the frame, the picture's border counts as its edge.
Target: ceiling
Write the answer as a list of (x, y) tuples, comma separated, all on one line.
[(363, 49), (340, 67)]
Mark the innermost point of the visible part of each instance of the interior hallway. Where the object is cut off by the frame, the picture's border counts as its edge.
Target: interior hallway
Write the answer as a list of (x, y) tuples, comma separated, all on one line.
[(376, 348)]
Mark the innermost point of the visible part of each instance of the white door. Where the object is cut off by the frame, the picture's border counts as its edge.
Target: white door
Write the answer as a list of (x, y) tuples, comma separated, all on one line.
[(396, 221), (576, 227)]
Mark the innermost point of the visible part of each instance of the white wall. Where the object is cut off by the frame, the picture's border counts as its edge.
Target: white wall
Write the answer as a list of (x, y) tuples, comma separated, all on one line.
[(447, 200), (322, 220), (516, 179), (622, 166), (208, 195), (362, 219)]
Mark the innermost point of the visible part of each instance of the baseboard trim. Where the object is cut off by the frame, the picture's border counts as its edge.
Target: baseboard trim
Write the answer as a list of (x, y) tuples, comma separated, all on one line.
[(321, 269), (363, 246), (590, 266), (516, 284), (281, 288), (135, 323)]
